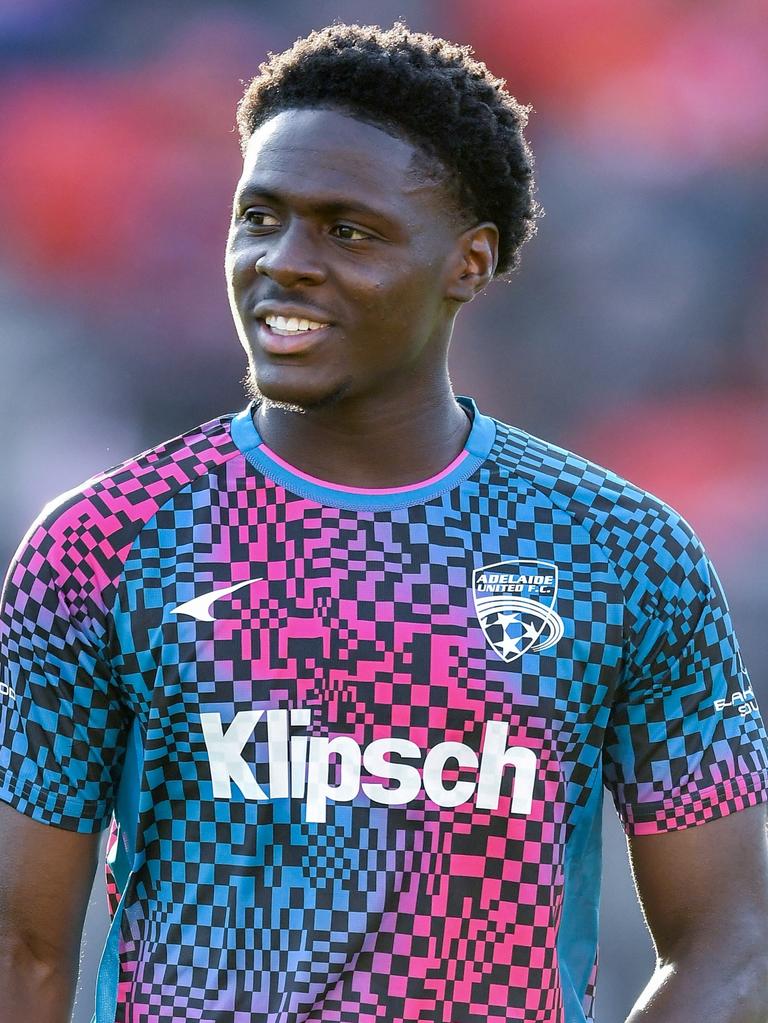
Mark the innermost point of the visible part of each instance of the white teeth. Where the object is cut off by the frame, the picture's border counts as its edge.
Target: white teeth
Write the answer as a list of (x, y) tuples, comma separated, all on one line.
[(292, 324)]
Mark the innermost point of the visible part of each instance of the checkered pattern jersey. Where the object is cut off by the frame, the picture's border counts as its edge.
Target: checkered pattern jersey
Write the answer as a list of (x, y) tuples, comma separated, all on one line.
[(330, 796)]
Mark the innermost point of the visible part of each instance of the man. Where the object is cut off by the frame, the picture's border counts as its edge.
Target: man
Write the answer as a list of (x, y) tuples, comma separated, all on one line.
[(351, 667)]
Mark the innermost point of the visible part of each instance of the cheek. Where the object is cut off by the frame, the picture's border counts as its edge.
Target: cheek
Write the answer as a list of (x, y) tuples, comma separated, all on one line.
[(401, 290), (410, 299), (397, 320), (238, 260)]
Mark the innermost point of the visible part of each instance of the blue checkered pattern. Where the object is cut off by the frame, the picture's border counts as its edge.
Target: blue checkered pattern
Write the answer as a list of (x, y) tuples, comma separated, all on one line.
[(258, 887)]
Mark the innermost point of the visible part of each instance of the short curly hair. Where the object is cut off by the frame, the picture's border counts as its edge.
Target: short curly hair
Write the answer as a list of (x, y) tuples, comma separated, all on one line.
[(431, 92)]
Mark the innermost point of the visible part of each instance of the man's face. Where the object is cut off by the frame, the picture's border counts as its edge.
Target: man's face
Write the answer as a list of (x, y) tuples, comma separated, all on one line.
[(331, 225)]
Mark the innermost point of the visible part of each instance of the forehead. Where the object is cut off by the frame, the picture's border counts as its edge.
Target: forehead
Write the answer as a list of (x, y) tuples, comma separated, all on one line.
[(328, 155)]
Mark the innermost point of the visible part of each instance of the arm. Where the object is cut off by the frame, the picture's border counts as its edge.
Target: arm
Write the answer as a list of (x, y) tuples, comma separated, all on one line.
[(45, 881), (704, 893)]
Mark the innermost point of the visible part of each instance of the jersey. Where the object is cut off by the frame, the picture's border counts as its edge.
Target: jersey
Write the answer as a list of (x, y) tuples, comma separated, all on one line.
[(352, 744)]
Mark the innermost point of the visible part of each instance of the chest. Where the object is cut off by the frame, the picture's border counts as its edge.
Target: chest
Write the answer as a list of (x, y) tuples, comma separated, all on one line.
[(422, 649)]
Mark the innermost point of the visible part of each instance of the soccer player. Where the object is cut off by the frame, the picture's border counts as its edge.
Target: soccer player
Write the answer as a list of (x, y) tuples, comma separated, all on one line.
[(348, 670)]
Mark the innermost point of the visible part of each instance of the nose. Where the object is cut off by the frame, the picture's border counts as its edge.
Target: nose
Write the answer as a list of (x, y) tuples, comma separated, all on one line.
[(290, 257)]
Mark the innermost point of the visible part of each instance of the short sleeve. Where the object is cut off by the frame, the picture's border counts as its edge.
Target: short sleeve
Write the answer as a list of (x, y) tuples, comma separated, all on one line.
[(685, 742), (62, 724)]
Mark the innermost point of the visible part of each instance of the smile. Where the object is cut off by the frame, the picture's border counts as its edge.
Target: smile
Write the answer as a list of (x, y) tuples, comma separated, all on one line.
[(281, 335), (292, 325)]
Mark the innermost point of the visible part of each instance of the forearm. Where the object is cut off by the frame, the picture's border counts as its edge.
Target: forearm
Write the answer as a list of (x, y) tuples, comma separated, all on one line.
[(34, 991), (708, 989)]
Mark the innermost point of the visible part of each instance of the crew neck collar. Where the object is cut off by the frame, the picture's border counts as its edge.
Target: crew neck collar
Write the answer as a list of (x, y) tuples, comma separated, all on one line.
[(476, 449)]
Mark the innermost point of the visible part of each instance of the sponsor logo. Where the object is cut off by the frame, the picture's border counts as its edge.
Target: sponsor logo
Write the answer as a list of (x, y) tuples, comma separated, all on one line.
[(7, 690), (743, 700), (301, 766), (515, 605), (200, 607)]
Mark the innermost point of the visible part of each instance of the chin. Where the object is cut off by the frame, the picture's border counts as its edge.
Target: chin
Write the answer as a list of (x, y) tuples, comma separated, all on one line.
[(283, 390)]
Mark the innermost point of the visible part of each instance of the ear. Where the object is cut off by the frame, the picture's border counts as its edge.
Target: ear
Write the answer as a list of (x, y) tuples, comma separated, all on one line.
[(476, 256)]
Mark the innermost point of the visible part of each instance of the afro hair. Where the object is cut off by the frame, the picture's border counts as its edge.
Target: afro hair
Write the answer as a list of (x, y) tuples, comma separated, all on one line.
[(431, 92)]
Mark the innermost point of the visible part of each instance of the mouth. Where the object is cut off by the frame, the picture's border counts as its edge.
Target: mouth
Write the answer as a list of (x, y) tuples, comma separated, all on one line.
[(290, 335)]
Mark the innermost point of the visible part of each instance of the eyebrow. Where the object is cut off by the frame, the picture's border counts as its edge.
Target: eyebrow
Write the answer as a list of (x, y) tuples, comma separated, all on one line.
[(328, 206)]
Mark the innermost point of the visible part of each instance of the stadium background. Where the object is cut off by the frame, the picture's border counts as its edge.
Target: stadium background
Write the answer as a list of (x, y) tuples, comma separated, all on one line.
[(635, 332)]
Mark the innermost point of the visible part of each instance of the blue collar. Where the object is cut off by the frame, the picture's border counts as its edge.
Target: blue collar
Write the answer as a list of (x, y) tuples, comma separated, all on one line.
[(476, 449)]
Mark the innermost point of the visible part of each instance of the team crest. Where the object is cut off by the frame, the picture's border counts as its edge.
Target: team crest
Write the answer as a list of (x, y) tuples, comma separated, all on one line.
[(515, 604)]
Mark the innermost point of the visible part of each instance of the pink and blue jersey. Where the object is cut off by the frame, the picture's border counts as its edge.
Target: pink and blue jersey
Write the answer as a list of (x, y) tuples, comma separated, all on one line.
[(352, 744)]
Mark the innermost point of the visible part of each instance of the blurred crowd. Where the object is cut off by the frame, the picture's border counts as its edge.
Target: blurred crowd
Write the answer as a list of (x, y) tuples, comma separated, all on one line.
[(634, 332)]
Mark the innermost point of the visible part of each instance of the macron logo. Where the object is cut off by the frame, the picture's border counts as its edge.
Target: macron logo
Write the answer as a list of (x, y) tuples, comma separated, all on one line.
[(200, 607)]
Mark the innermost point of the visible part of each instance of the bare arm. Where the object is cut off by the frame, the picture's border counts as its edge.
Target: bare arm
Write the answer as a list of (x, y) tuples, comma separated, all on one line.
[(704, 893), (46, 874)]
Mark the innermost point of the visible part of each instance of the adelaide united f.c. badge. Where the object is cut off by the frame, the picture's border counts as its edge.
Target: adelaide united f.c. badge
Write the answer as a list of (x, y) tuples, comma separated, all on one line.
[(515, 605)]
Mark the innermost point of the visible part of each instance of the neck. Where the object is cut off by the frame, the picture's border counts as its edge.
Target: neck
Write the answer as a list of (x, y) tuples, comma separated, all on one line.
[(376, 442)]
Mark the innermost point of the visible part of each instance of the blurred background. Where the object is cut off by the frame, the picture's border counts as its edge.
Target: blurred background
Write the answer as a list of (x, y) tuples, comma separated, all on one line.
[(634, 333)]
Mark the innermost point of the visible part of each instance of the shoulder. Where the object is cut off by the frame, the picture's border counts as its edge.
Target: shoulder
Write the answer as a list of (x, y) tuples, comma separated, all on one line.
[(652, 549), (80, 539)]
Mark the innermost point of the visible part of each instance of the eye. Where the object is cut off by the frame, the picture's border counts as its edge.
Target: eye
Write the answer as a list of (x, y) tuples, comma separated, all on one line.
[(260, 218), (348, 233)]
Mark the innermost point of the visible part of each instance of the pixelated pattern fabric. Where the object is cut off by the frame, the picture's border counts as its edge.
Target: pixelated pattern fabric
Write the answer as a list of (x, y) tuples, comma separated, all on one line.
[(364, 774), (63, 714)]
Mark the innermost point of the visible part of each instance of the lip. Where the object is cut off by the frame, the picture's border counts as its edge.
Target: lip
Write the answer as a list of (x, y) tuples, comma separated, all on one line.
[(299, 312), (286, 344)]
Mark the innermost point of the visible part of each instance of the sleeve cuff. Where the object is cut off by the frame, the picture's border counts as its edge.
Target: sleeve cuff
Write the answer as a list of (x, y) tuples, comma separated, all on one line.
[(48, 807), (690, 808)]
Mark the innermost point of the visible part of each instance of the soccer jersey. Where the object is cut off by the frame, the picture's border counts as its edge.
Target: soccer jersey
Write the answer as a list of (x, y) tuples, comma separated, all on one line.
[(353, 743)]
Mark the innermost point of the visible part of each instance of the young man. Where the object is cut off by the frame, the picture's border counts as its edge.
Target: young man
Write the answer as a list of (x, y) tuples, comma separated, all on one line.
[(351, 667)]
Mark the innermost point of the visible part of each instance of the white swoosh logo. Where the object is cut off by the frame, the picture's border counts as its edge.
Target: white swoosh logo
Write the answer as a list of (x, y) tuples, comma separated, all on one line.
[(200, 607)]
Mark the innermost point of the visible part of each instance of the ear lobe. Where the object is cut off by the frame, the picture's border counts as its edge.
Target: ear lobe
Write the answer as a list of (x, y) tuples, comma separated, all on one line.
[(478, 249)]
